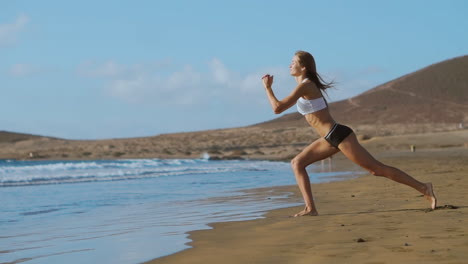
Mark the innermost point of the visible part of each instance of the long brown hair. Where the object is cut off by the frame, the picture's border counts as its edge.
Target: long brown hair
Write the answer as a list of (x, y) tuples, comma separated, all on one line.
[(307, 60)]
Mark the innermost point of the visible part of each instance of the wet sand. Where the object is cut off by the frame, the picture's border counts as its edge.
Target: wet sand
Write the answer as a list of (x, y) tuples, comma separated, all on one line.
[(364, 220)]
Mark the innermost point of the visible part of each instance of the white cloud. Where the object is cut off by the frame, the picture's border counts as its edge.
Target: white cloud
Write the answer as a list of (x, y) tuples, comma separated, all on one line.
[(107, 69), (111, 69), (129, 90), (186, 85), (143, 86), (9, 32), (187, 78), (23, 70), (220, 73)]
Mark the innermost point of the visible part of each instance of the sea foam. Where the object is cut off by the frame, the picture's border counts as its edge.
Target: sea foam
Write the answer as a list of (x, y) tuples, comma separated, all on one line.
[(20, 173)]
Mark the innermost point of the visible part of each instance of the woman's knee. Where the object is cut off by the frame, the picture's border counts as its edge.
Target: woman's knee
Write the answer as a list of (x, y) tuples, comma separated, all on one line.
[(297, 163)]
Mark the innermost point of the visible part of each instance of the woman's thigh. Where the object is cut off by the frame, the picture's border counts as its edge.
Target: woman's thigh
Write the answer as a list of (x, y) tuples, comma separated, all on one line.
[(353, 150), (318, 150)]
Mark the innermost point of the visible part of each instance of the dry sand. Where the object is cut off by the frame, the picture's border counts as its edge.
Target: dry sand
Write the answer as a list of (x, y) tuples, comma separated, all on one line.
[(364, 220)]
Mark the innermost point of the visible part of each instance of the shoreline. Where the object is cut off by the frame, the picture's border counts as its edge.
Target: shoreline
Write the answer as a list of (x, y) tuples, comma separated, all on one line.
[(363, 219)]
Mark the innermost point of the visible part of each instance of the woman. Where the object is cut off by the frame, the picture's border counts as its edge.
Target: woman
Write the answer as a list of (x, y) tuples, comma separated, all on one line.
[(333, 136)]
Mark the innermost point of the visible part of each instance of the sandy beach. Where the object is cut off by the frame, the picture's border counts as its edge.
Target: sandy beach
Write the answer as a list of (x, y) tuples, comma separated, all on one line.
[(363, 220)]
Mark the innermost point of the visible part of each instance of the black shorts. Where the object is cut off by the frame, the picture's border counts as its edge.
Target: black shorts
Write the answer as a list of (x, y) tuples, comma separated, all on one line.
[(337, 134)]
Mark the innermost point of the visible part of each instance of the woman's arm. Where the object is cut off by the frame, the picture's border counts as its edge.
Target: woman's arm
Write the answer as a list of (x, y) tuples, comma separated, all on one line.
[(280, 106)]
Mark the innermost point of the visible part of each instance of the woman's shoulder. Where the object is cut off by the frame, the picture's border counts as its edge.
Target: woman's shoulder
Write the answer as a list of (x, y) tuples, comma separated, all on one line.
[(311, 89)]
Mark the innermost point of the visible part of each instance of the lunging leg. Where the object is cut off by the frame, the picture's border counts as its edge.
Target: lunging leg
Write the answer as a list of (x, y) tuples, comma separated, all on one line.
[(359, 155), (318, 150)]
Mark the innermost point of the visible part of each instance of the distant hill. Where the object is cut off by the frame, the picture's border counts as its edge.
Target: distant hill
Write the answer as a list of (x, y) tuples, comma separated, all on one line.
[(435, 94), (11, 137)]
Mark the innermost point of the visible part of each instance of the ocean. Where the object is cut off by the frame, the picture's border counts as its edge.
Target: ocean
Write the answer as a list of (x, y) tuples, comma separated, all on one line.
[(128, 211)]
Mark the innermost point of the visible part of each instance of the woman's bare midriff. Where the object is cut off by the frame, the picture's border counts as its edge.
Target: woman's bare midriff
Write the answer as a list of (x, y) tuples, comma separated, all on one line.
[(321, 121)]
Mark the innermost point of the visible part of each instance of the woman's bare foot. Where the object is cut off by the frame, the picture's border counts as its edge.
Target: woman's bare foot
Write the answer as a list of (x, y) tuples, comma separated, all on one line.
[(307, 212), (430, 196)]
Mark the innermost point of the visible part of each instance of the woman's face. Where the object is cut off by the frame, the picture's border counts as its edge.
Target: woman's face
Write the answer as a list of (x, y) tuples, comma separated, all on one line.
[(295, 69)]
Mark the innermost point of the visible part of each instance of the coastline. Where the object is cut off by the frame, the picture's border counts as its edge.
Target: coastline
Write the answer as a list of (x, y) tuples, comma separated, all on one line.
[(362, 220), (252, 143)]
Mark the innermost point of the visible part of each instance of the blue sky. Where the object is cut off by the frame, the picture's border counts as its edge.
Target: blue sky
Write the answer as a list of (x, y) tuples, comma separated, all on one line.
[(112, 69)]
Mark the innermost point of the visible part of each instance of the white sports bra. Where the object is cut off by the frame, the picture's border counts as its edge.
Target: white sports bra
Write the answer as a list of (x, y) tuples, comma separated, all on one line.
[(305, 106)]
